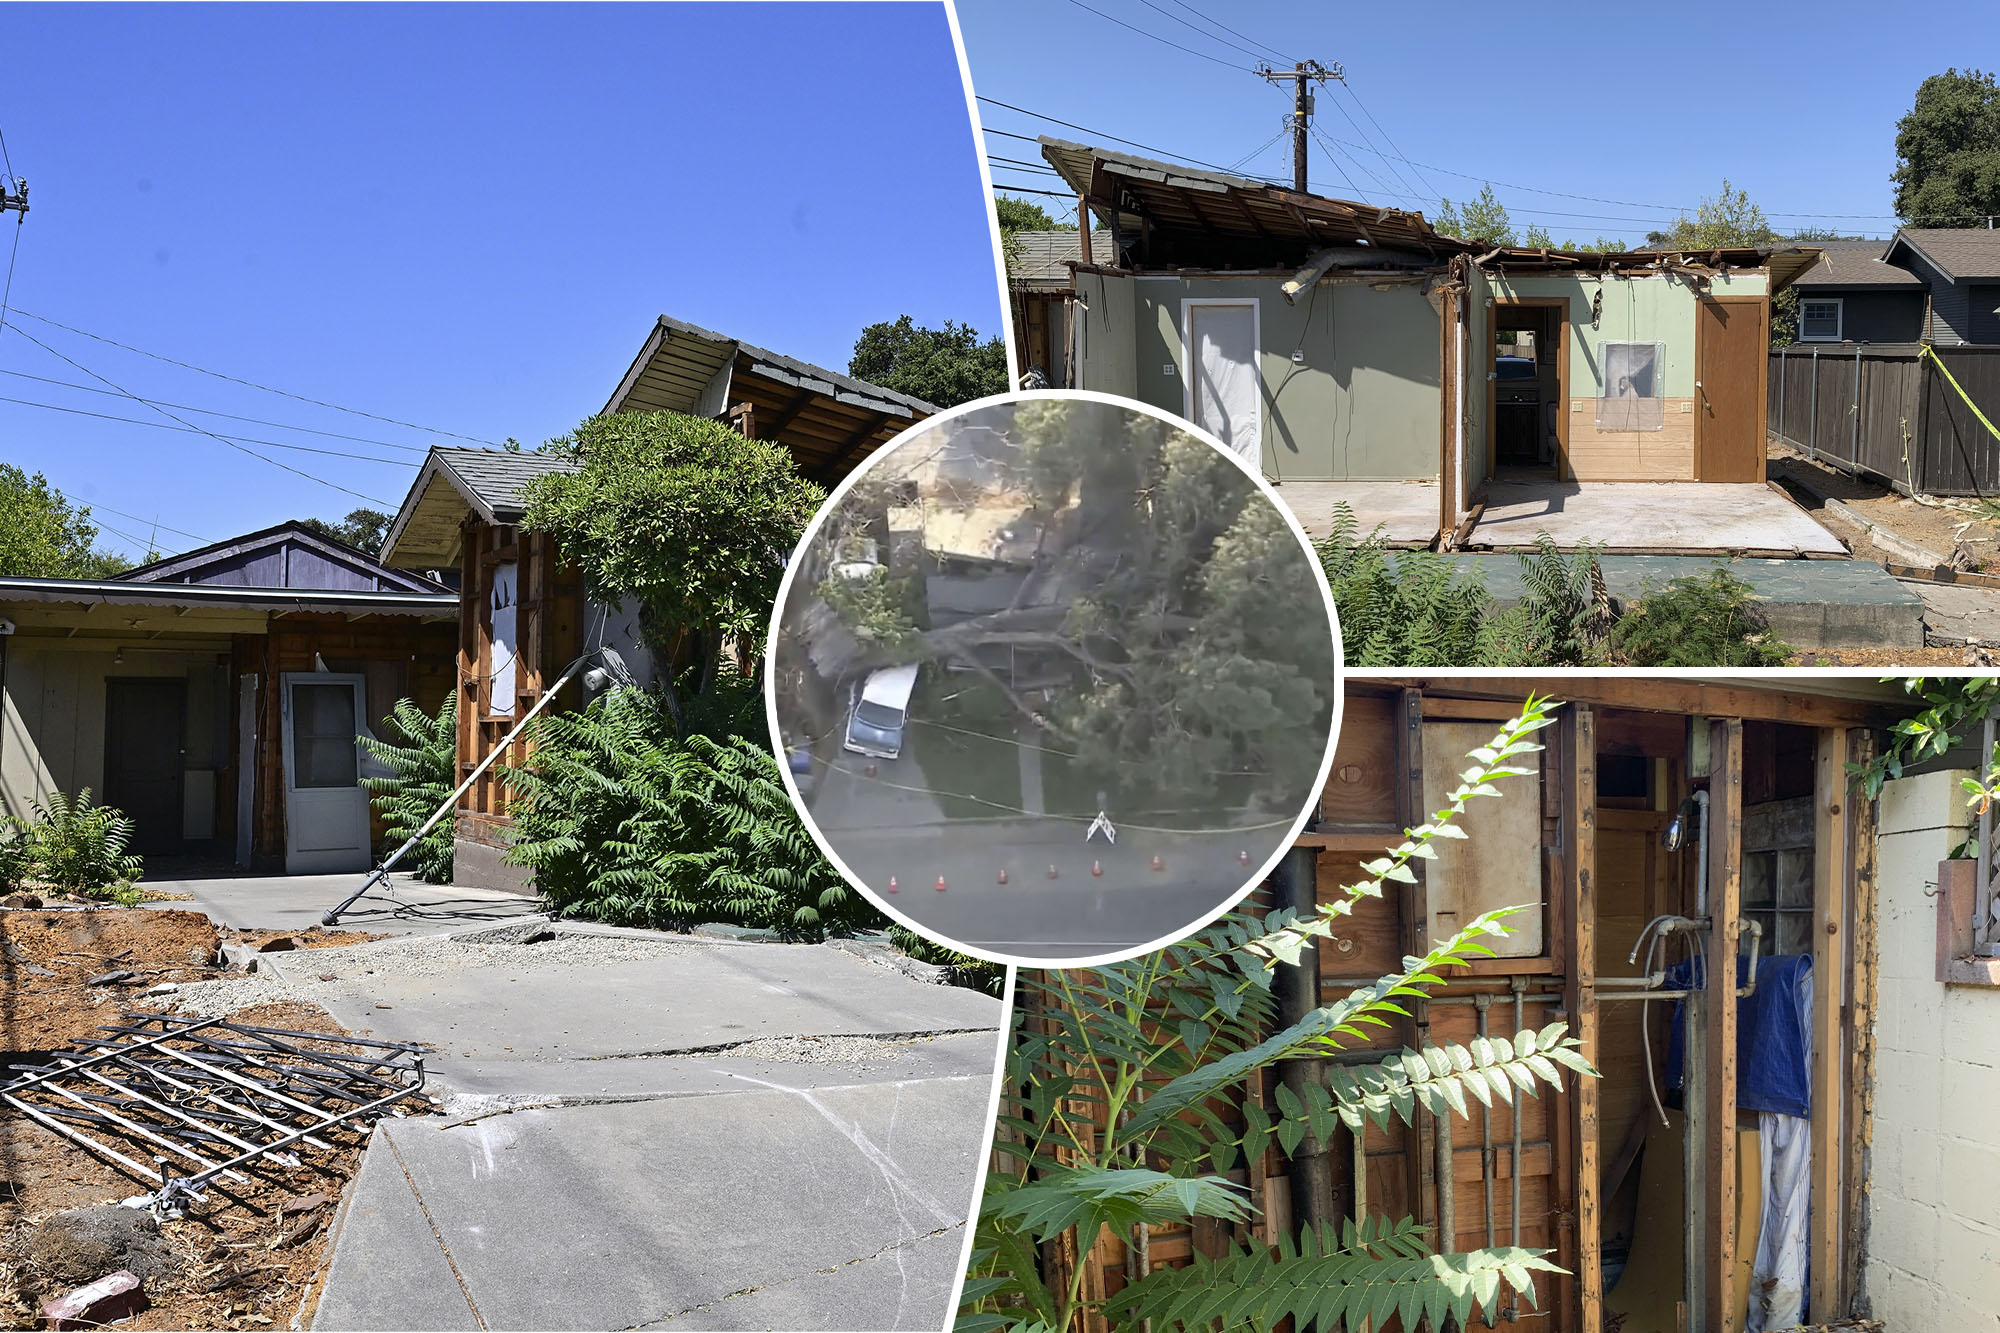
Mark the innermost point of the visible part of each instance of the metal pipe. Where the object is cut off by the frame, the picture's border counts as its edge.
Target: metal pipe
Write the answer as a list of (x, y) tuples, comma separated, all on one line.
[(1447, 1187), (1484, 1002), (1296, 988)]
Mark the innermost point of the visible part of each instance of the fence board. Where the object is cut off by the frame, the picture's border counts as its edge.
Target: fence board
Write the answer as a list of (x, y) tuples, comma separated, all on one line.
[(1879, 409)]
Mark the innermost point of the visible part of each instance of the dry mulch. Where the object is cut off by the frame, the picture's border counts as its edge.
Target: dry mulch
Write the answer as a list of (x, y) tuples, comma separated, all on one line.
[(251, 1256)]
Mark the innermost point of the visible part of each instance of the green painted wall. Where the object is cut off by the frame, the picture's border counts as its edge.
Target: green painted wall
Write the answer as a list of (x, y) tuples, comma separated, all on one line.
[(1362, 405), (1104, 316), (1646, 309)]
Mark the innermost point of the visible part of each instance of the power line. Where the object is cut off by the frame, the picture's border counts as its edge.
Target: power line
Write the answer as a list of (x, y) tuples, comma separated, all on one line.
[(191, 426), (1385, 136), (252, 384), (1164, 41), (1232, 31), (1254, 55), (185, 428), (7, 159), (1129, 143), (93, 506), (229, 416)]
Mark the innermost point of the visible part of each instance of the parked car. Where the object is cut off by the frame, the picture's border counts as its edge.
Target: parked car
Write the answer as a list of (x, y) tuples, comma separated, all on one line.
[(881, 709)]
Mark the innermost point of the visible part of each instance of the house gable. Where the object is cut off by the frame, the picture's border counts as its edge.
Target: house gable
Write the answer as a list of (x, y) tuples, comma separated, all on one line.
[(287, 555)]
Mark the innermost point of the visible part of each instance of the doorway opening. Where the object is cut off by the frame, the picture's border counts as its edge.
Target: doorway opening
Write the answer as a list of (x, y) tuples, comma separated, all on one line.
[(1526, 375)]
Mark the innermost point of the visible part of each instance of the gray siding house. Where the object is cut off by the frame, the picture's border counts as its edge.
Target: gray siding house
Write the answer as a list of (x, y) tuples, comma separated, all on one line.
[(1927, 284)]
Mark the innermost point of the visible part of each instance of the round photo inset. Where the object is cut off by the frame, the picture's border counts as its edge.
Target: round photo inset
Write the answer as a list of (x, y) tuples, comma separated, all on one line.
[(1055, 678)]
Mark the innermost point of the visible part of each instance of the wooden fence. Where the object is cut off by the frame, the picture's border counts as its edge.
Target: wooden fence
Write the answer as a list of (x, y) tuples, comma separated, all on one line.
[(1887, 409)]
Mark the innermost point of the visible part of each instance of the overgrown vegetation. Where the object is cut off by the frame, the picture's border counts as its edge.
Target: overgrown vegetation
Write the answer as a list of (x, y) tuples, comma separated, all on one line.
[(960, 969), (943, 366), (625, 821), (422, 755), (1424, 609), (1710, 619), (74, 847), (1119, 1110)]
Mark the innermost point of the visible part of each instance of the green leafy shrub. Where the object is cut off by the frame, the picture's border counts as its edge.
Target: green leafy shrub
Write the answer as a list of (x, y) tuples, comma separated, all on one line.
[(960, 969), (423, 757), (75, 847), (624, 822), (1710, 619), (1565, 615), (1117, 1112), (1407, 608)]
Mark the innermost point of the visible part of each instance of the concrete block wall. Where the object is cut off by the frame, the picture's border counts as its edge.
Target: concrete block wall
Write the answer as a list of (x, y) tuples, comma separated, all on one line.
[(1932, 1254)]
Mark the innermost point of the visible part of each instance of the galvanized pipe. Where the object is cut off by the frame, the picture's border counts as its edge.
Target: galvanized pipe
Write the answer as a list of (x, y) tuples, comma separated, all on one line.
[(1483, 1001)]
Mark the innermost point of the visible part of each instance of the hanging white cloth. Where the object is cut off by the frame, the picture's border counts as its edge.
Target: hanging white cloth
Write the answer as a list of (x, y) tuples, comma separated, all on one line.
[(1778, 1275)]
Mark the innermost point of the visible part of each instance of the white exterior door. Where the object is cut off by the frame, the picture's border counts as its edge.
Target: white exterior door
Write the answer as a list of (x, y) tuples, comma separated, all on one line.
[(1223, 395), (326, 807)]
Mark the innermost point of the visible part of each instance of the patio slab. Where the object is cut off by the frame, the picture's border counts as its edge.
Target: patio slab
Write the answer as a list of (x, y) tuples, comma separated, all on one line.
[(1406, 511), (404, 906), (1663, 518)]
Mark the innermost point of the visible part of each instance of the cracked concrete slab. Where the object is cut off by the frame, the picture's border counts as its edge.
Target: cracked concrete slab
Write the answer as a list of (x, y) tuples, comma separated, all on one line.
[(777, 1206)]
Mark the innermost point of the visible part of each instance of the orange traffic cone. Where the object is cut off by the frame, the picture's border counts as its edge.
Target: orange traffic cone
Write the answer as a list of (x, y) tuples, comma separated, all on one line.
[(1052, 870), (1096, 867), (1158, 864), (870, 770), (940, 884), (1243, 858), (893, 888), (1003, 874)]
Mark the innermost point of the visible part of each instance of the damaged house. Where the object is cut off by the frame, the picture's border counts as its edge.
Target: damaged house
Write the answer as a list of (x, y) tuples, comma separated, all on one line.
[(1810, 1144), (1357, 355), (525, 615), (215, 696)]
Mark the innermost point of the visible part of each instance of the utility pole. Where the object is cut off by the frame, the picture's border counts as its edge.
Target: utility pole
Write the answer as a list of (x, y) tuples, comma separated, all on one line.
[(1301, 76), (17, 202)]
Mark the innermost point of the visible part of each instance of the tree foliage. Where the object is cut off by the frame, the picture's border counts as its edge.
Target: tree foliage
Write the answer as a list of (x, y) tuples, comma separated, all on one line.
[(363, 529), (1948, 152), (625, 821), (422, 757), (1119, 1109), (46, 535), (72, 846), (1481, 219), (684, 518), (1021, 215), (1722, 220), (943, 366)]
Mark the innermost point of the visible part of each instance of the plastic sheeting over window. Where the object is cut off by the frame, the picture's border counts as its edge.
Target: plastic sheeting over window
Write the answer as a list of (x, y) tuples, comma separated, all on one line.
[(506, 637), (1633, 374), (1223, 391)]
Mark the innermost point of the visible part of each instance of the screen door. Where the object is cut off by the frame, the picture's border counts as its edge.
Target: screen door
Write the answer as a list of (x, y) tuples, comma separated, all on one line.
[(326, 807)]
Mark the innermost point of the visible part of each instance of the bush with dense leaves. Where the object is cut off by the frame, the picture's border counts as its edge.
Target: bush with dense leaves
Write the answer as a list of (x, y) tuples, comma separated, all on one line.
[(624, 822), (1710, 619), (72, 846), (422, 755)]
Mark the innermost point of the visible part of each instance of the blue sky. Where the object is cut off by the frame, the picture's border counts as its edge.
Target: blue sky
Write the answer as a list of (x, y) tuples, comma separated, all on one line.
[(464, 217), (1621, 102)]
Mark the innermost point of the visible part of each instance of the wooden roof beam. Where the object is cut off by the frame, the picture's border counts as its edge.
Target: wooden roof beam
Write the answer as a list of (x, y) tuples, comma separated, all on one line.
[(830, 472), (799, 403)]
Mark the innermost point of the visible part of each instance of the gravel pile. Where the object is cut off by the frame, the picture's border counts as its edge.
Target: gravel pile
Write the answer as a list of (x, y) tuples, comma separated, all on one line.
[(817, 1050), (351, 965)]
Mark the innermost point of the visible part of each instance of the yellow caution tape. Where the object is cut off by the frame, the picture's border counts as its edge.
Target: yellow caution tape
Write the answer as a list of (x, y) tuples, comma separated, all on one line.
[(1928, 351)]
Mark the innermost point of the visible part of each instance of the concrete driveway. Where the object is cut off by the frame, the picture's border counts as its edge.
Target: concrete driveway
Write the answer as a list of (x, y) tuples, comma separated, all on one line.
[(642, 1130), (404, 905)]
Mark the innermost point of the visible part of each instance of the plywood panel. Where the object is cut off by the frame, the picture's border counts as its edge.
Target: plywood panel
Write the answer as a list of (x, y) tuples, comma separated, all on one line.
[(1499, 862), (1360, 791), (1666, 454)]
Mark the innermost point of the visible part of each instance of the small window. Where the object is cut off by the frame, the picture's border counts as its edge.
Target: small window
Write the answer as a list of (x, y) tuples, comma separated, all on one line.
[(1819, 321), (1632, 388), (503, 604)]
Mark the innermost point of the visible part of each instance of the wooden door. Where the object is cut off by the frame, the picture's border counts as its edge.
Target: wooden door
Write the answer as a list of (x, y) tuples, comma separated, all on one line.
[(144, 757), (1731, 351)]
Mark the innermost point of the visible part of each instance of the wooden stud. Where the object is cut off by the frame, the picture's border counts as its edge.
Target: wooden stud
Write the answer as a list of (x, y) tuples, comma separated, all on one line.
[(1725, 906), (1858, 1109), (1579, 735), (1829, 976), (1421, 1158)]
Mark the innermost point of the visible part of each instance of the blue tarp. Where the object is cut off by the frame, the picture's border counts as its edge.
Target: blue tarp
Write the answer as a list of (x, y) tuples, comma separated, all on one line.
[(1773, 1032)]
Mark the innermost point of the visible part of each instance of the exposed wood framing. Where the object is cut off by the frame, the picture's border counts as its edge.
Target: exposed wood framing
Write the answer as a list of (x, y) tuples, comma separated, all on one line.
[(1725, 905), (1579, 742), (1657, 695), (1829, 947), (1416, 917), (1862, 971)]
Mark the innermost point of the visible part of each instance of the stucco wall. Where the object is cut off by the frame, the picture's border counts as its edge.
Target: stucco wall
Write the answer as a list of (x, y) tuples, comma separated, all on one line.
[(1361, 404), (1933, 1189)]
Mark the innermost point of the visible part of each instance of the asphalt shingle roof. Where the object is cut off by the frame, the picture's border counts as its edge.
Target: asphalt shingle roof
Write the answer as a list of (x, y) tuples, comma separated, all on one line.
[(496, 477), (1962, 252), (1855, 264)]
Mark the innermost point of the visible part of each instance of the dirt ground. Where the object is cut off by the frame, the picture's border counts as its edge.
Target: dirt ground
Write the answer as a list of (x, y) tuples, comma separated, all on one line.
[(1939, 529), (1898, 660), (250, 1257)]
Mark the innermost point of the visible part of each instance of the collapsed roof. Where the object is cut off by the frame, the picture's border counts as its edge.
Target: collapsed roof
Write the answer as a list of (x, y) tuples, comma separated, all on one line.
[(1167, 215)]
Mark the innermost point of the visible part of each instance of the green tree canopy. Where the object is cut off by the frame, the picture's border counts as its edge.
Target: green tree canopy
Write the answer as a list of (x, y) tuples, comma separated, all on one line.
[(45, 535), (686, 519), (1020, 215), (1727, 218), (945, 366), (1481, 219), (1948, 152), (362, 528)]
